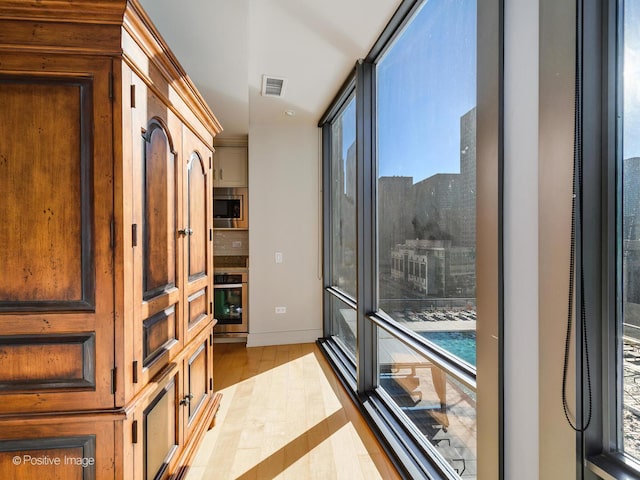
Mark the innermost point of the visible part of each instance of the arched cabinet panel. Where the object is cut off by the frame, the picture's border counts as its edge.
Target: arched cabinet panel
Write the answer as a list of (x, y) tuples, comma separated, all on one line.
[(198, 255), (159, 208), (197, 194)]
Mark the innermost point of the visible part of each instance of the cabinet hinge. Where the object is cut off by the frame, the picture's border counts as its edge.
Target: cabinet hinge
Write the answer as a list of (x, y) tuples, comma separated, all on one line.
[(113, 380), (211, 340), (133, 96), (210, 163), (210, 384), (211, 234), (134, 431), (210, 307), (111, 85), (112, 233), (135, 371), (134, 235)]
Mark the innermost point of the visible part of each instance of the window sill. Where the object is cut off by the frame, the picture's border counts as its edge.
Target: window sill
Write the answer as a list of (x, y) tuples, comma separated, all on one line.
[(611, 468)]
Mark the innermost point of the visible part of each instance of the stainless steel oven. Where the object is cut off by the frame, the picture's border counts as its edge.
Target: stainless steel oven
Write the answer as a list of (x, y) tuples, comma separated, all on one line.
[(230, 208), (230, 301)]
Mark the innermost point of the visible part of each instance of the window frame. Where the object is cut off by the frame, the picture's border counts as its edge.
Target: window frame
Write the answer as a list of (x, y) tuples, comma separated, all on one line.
[(398, 437), (601, 127)]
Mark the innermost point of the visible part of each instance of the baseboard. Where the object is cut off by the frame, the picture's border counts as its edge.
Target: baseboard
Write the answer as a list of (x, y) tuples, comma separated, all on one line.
[(283, 338)]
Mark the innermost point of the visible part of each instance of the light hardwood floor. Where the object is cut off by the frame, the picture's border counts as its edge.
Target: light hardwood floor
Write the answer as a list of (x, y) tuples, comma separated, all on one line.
[(285, 415)]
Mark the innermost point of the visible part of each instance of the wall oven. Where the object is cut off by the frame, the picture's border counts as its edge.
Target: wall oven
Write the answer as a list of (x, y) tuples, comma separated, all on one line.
[(230, 302), (230, 209)]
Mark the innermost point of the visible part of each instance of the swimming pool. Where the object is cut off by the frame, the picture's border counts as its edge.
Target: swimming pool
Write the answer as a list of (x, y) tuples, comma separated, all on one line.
[(460, 343)]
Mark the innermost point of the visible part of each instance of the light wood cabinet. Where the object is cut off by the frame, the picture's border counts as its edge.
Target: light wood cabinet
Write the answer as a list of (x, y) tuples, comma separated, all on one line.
[(106, 170), (230, 166)]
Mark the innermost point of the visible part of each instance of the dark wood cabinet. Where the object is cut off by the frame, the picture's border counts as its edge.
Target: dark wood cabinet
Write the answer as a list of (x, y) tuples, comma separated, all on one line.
[(106, 289)]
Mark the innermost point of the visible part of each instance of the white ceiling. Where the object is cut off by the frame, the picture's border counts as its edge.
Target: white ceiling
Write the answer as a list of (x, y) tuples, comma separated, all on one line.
[(226, 46)]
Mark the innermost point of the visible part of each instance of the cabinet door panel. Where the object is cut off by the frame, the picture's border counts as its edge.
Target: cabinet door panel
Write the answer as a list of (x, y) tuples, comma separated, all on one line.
[(198, 259), (231, 167), (198, 379), (56, 287), (157, 214), (198, 375), (47, 362), (59, 448), (161, 435), (198, 307), (159, 333), (46, 207), (196, 197), (48, 458)]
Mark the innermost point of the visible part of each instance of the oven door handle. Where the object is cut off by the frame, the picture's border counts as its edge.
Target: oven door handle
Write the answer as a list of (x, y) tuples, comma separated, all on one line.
[(229, 285)]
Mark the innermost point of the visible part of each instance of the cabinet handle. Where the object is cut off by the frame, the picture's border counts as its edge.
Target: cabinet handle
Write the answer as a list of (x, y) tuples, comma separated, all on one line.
[(221, 178), (187, 399), (185, 231)]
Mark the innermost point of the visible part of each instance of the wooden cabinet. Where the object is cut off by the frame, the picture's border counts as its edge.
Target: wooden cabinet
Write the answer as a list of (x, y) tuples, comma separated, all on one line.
[(106, 170), (174, 413), (230, 166), (56, 287)]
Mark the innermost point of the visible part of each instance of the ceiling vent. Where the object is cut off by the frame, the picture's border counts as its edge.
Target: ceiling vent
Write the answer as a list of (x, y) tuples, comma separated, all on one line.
[(273, 86)]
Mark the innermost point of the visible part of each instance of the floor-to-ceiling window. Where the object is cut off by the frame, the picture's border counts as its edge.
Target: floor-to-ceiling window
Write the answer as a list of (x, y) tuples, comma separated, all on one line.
[(628, 320), (343, 223), (609, 419), (426, 218), (400, 201)]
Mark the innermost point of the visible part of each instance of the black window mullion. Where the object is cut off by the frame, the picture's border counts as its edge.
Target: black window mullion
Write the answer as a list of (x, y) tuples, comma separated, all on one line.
[(326, 225), (365, 218)]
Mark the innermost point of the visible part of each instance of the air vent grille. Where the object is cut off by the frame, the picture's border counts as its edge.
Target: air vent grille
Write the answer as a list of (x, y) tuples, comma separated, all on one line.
[(273, 86)]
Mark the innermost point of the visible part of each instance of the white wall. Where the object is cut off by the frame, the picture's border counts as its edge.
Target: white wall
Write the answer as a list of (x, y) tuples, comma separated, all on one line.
[(538, 140), (284, 216), (521, 239), (557, 446)]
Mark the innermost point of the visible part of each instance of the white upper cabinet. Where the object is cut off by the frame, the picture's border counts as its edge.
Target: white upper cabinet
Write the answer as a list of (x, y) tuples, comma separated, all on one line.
[(230, 167)]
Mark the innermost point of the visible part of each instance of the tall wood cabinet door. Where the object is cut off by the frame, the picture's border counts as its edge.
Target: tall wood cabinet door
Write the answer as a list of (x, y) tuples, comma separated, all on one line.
[(157, 190), (198, 382), (156, 434), (197, 234), (56, 260)]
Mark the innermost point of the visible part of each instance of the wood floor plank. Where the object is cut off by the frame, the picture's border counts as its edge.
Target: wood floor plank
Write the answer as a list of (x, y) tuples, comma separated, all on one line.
[(285, 415)]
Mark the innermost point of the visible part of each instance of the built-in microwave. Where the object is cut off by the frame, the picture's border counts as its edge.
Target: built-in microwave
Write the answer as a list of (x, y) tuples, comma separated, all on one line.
[(230, 209)]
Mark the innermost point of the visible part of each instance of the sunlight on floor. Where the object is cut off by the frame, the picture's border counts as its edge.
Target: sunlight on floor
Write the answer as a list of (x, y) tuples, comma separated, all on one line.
[(284, 416)]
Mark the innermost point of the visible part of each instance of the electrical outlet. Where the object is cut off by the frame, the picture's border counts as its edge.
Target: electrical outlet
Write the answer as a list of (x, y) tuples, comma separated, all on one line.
[(281, 309), (278, 257)]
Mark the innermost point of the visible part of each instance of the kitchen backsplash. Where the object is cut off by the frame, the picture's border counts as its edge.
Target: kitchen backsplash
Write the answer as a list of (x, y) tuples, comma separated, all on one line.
[(230, 243)]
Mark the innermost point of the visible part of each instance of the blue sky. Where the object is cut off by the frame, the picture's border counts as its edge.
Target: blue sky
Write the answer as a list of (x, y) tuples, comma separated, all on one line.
[(631, 139), (426, 82)]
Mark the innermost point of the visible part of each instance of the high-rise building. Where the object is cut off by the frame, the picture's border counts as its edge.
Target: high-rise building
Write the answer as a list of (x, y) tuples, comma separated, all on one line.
[(433, 226), (468, 178), (392, 206), (436, 208)]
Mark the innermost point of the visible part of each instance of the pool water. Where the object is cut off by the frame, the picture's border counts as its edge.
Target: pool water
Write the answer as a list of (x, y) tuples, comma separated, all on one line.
[(462, 344)]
